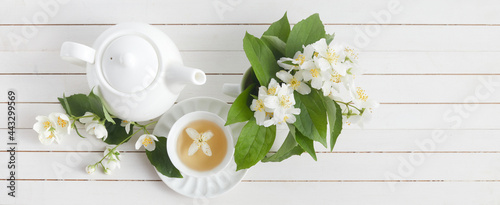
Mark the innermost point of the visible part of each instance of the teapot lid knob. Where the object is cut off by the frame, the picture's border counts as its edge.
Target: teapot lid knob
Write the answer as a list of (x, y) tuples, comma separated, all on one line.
[(128, 60)]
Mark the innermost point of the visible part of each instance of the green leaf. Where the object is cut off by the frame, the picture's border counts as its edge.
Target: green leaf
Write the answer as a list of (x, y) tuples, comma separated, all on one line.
[(96, 105), (280, 29), (117, 133), (305, 32), (261, 58), (306, 144), (311, 121), (289, 148), (249, 79), (334, 119), (329, 38), (276, 45), (253, 144), (106, 114), (75, 105), (160, 160), (240, 110)]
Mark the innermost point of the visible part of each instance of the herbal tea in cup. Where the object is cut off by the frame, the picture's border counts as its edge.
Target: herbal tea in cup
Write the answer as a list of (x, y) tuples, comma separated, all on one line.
[(199, 144)]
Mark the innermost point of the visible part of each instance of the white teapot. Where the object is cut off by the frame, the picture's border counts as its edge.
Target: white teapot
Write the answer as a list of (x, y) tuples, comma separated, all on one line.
[(135, 68)]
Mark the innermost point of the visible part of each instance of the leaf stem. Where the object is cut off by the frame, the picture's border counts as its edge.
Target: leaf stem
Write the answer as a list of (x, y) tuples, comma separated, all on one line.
[(76, 129), (76, 118), (114, 148), (349, 104), (143, 127)]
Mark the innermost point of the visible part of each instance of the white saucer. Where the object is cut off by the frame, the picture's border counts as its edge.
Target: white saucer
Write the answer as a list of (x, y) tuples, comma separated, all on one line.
[(200, 187)]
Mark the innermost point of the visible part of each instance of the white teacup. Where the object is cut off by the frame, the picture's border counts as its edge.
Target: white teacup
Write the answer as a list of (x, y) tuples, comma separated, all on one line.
[(178, 128)]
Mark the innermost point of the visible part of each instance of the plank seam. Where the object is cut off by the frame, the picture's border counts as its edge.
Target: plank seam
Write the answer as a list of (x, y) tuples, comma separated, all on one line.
[(275, 181), (263, 24), (319, 152)]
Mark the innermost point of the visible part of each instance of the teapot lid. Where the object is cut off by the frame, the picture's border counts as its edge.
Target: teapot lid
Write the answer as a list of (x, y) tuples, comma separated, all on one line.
[(129, 63)]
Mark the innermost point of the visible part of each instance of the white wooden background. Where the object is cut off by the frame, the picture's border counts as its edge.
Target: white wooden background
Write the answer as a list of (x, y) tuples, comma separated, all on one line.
[(433, 65)]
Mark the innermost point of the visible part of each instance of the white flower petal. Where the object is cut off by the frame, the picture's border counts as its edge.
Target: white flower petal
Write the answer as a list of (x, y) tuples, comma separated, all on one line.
[(87, 118), (256, 104), (307, 75), (148, 140), (291, 119), (57, 137), (207, 135), (111, 164), (192, 133), (370, 103), (271, 102), (282, 63), (269, 123), (90, 128), (316, 83), (60, 122), (341, 68), (46, 138), (260, 117), (303, 89), (273, 84), (262, 92), (320, 47), (193, 148), (307, 65), (298, 75), (323, 64), (150, 147), (296, 55), (127, 128), (294, 111), (100, 131), (40, 125), (154, 138), (206, 149), (283, 127), (126, 124), (138, 144), (309, 51), (284, 76)]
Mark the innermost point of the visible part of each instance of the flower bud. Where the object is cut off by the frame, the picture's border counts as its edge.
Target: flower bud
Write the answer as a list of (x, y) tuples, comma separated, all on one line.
[(107, 171), (90, 169)]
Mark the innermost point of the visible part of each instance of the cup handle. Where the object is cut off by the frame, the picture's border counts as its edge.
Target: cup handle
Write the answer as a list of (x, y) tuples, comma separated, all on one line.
[(77, 54), (231, 89)]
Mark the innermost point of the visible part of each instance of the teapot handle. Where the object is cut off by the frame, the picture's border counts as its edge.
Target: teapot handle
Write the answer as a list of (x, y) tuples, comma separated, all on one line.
[(77, 54), (231, 89)]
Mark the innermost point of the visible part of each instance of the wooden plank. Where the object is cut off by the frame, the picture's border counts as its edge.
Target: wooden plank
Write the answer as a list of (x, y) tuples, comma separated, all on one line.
[(229, 37), (47, 88), (383, 88), (222, 11), (41, 62), (264, 193), (387, 116), (330, 166), (153, 192), (366, 140)]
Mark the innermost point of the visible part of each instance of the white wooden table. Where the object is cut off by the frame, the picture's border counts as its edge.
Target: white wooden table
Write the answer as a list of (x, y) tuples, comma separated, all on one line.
[(433, 65)]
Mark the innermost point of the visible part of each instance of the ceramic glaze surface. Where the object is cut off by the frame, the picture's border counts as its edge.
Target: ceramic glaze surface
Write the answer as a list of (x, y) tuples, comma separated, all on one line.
[(135, 68)]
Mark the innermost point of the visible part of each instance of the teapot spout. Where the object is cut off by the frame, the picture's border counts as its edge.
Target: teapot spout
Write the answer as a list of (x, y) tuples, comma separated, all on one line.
[(179, 76)]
